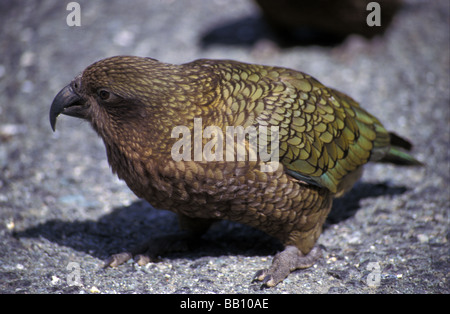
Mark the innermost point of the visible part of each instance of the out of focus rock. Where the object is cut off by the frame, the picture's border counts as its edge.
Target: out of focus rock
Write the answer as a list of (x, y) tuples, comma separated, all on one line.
[(336, 18)]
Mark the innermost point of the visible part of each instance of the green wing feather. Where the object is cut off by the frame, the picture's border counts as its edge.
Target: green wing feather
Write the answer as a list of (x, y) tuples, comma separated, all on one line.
[(330, 136), (324, 135)]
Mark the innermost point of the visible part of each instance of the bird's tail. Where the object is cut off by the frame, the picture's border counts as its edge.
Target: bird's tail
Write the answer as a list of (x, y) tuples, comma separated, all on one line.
[(397, 155)]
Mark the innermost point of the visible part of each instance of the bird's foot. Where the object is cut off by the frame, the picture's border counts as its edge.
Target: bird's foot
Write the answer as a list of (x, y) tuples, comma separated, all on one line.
[(152, 249), (284, 263)]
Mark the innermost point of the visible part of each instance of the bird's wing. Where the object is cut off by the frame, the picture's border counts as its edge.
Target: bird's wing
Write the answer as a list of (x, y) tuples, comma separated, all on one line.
[(324, 134)]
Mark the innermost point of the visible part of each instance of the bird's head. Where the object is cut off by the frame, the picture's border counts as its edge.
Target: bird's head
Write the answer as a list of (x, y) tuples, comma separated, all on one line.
[(111, 93), (124, 96)]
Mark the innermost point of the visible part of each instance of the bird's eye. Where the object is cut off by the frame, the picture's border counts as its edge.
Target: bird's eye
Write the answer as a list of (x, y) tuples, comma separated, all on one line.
[(104, 94)]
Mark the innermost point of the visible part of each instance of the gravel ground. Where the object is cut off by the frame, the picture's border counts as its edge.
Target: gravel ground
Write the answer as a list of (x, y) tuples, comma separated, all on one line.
[(63, 212)]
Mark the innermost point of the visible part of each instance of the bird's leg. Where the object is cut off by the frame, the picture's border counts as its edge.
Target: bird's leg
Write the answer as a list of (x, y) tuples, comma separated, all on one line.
[(284, 263), (192, 230)]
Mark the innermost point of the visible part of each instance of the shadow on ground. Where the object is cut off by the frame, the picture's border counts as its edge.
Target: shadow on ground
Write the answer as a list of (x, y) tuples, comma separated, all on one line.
[(249, 30), (129, 226)]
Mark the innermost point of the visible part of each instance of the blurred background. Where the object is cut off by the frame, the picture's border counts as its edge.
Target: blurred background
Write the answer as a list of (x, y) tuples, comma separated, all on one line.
[(59, 201)]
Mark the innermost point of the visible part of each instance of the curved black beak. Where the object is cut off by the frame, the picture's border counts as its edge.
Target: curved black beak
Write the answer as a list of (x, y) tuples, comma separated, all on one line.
[(67, 102)]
